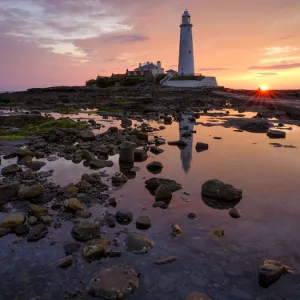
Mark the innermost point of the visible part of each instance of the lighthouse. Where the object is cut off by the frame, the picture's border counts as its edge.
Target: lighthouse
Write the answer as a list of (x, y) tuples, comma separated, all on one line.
[(186, 53)]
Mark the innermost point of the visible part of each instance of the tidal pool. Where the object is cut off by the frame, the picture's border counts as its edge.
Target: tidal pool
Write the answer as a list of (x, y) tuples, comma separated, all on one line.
[(223, 268)]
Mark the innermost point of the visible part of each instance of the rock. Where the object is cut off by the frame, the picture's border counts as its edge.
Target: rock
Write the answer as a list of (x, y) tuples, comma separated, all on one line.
[(180, 144), (52, 158), (159, 141), (73, 204), (137, 243), (160, 204), (10, 169), (217, 138), (22, 230), (220, 191), (197, 296), (37, 211), (87, 155), (124, 217), (167, 120), (84, 231), (114, 283), (176, 230), (86, 135), (143, 222), (219, 232), (71, 191), (66, 261), (249, 124), (192, 216), (83, 214), (8, 192), (166, 260), (22, 152), (32, 220), (94, 249), (99, 163), (36, 165), (235, 213), (4, 231), (153, 183), (276, 134), (201, 147), (71, 247), (31, 192), (112, 201), (163, 193), (142, 136), (13, 220), (93, 178), (271, 271), (119, 179), (140, 155), (47, 220), (154, 166), (37, 232), (241, 110), (156, 150), (25, 160), (126, 122), (127, 152)]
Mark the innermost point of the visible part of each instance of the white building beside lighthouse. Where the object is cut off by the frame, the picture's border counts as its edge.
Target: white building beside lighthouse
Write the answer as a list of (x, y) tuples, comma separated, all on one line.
[(186, 51)]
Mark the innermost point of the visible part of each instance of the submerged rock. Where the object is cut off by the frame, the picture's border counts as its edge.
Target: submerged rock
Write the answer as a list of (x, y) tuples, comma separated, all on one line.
[(37, 232), (201, 147), (220, 191), (153, 183), (13, 220), (163, 193), (119, 179), (127, 152), (137, 243), (271, 271), (155, 166), (99, 164), (114, 283), (73, 204), (276, 134), (66, 261), (124, 217), (85, 231), (219, 232), (37, 211)]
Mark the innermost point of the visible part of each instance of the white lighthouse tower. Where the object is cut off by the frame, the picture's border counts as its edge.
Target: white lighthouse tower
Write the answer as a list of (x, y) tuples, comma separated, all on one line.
[(186, 53)]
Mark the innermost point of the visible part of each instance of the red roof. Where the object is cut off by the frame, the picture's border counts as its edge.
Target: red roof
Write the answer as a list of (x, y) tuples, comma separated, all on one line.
[(118, 75)]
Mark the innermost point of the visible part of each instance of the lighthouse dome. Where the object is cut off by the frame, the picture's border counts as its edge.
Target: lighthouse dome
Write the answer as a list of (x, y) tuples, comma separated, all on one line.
[(186, 13)]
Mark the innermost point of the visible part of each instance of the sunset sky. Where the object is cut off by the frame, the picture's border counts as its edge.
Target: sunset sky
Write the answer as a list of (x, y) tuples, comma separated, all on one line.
[(65, 42)]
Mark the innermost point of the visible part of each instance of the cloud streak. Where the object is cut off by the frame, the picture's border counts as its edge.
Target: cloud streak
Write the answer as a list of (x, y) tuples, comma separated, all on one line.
[(276, 67)]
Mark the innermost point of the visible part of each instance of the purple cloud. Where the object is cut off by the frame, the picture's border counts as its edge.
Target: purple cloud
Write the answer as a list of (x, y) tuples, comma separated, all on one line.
[(276, 67)]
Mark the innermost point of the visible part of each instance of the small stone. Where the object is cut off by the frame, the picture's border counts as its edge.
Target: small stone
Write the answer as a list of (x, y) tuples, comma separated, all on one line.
[(124, 217), (119, 179), (66, 261), (201, 147), (197, 296), (138, 243), (112, 202), (276, 134), (31, 192), (37, 211), (167, 260), (71, 247), (143, 222), (46, 220), (73, 204), (84, 231), (176, 230), (94, 249), (235, 213), (219, 232), (32, 220), (83, 214), (37, 232)]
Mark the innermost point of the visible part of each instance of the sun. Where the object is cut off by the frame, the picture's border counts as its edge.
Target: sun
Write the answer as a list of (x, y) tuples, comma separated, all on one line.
[(264, 87)]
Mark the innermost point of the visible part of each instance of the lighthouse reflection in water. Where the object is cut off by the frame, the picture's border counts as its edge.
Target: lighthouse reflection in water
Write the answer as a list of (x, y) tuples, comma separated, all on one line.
[(186, 153)]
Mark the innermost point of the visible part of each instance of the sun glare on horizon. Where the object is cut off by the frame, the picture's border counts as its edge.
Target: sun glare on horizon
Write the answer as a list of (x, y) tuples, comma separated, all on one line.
[(264, 87)]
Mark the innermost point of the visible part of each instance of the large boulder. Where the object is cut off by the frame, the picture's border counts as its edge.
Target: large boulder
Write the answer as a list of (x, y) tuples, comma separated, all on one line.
[(163, 193), (124, 217), (271, 271), (9, 191), (85, 231), (127, 152), (138, 243), (87, 155), (221, 191), (140, 155), (10, 170), (31, 192), (37, 232), (13, 220), (70, 191), (114, 283)]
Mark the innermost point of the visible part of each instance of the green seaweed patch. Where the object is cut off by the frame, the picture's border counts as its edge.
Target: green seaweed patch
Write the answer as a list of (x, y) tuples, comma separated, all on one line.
[(12, 137)]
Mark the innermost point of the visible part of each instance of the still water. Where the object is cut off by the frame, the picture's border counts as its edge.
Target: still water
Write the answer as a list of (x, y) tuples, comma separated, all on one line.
[(224, 269)]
